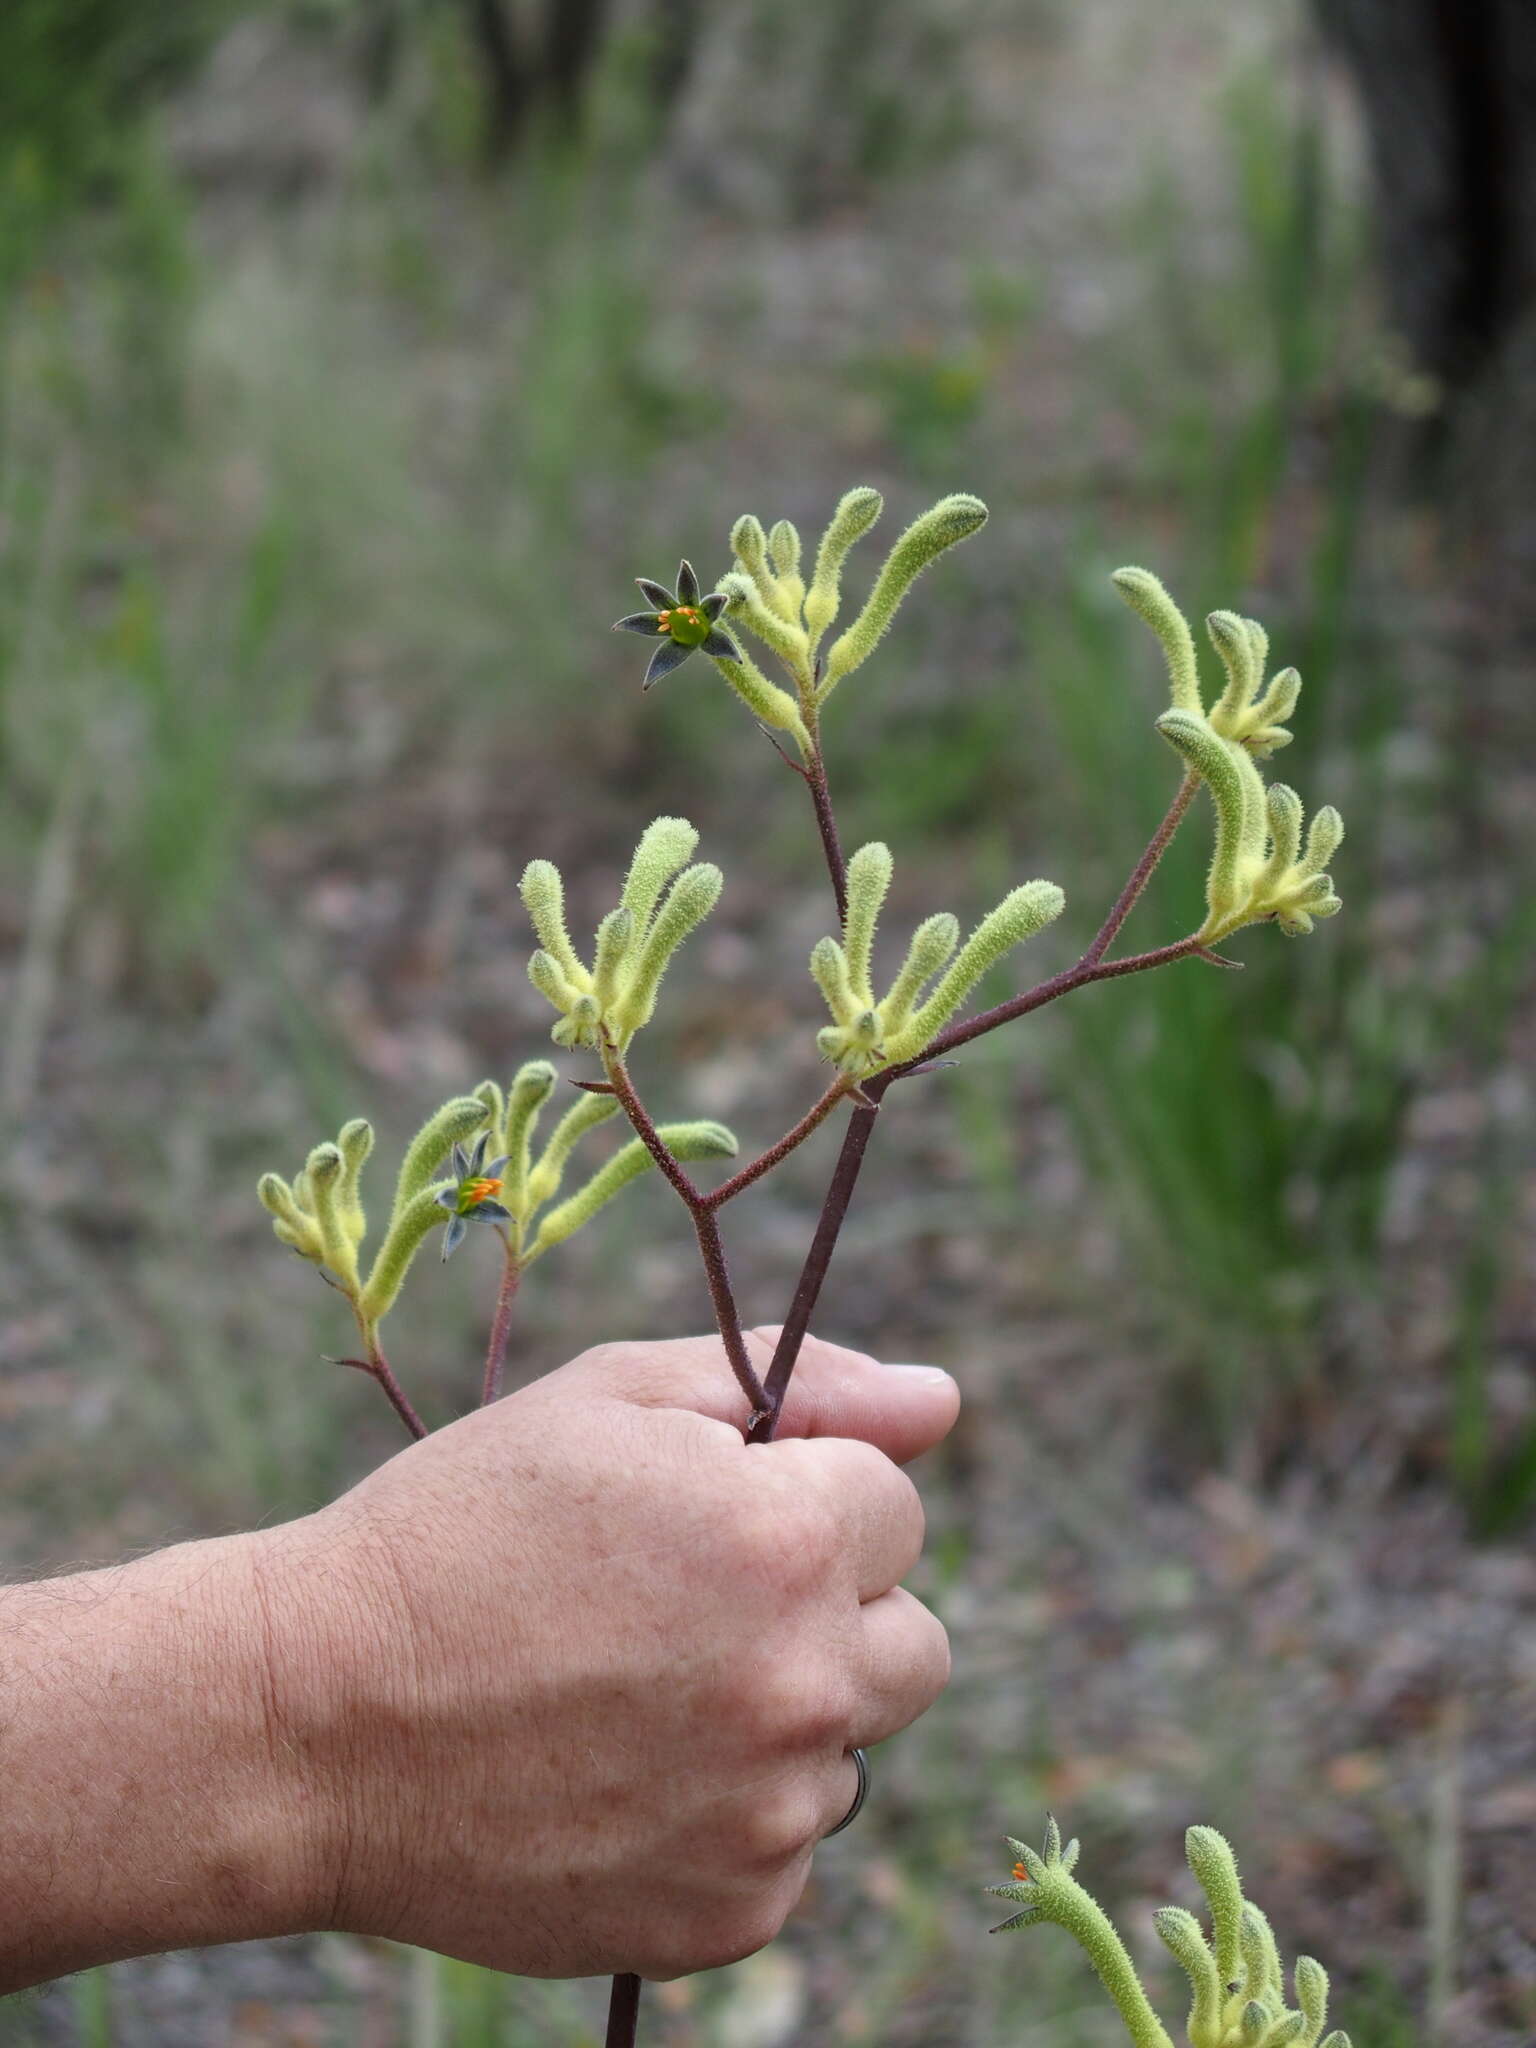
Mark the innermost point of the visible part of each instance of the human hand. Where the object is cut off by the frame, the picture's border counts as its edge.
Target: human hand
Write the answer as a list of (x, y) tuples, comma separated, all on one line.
[(578, 1675)]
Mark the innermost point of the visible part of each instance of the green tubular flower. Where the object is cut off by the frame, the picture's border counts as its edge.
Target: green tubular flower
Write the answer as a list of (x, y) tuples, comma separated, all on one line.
[(866, 1035), (612, 999), (1258, 873), (684, 622), (1235, 1975)]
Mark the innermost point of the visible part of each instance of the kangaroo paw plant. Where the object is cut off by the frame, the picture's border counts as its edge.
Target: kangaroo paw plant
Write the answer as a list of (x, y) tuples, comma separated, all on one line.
[(764, 629), (1236, 1981)]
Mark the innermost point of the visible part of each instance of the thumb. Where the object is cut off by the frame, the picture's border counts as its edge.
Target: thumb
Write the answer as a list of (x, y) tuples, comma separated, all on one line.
[(903, 1410)]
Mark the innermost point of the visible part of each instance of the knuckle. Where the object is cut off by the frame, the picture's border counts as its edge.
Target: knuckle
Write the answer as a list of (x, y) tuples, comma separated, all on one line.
[(779, 1826), (798, 1704)]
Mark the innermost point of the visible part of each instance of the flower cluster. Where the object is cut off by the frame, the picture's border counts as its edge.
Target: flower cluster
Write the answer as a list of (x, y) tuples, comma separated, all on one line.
[(1259, 870), (1235, 1976), (865, 1034), (608, 1001)]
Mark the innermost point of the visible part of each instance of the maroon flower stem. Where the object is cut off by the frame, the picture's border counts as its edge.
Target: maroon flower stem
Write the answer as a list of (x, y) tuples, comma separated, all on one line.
[(378, 1367), (829, 1225), (766, 1161), (1141, 874), (1044, 992), (623, 2012), (851, 1159), (815, 772), (706, 1229), (496, 1349)]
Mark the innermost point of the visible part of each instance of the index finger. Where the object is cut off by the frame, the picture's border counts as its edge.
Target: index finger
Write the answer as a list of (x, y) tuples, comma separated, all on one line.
[(902, 1410), (876, 1508)]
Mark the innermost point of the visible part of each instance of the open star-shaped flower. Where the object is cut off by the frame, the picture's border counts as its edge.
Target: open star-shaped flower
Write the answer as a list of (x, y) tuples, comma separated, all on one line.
[(683, 623), (472, 1198)]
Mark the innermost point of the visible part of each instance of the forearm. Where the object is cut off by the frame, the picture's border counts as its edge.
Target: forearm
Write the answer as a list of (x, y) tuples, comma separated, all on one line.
[(150, 1794)]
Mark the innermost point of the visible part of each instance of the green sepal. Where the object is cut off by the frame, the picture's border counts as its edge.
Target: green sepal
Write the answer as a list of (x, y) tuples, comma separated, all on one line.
[(666, 845), (953, 519), (1312, 1996), (784, 554), (1254, 2024), (1022, 913), (1146, 596), (489, 1092), (543, 892), (291, 1224), (1337, 2039), (829, 970), (1284, 2031), (453, 1124), (1030, 1917), (686, 1142), (869, 878), (355, 1141), (615, 935), (1237, 793), (1233, 642), (585, 1114), (1261, 1956), (932, 948), (690, 899), (1210, 1857), (408, 1227), (1181, 1936), (765, 700), (323, 1171), (532, 1086), (749, 544), (856, 513), (544, 973), (748, 604), (1324, 838)]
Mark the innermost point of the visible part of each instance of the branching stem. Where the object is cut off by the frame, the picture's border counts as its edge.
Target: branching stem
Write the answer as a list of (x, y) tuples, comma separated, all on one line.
[(705, 1226), (766, 1161), (378, 1367)]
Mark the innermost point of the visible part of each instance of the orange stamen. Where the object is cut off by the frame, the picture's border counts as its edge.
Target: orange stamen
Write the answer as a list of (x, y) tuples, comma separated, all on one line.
[(1020, 1874), (482, 1190), (663, 620)]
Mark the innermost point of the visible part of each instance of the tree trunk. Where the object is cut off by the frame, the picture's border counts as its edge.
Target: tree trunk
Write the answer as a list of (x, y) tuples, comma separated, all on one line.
[(1449, 90)]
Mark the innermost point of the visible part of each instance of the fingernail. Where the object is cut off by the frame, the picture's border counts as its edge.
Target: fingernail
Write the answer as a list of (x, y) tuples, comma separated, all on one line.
[(932, 1373)]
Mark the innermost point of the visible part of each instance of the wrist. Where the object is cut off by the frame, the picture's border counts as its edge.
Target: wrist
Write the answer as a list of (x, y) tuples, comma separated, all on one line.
[(147, 1773)]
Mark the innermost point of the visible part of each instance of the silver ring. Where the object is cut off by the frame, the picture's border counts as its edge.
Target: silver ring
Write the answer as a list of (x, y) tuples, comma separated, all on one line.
[(861, 1762)]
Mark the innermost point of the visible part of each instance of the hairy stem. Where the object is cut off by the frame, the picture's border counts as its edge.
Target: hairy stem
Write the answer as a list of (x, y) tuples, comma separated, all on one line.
[(1045, 992), (766, 1161), (828, 1228), (378, 1365), (826, 824), (501, 1327), (1091, 967), (1141, 874), (706, 1229)]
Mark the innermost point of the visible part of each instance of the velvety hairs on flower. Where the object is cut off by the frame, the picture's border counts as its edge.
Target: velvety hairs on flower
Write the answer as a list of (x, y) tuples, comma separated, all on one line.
[(1236, 1979), (475, 1161)]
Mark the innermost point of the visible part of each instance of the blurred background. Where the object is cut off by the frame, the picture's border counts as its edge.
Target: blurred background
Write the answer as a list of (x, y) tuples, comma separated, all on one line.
[(354, 355)]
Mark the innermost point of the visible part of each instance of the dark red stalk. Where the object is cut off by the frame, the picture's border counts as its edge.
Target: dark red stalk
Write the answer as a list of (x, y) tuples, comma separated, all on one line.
[(826, 824), (623, 2012), (1141, 874), (496, 1349), (766, 1161), (706, 1229)]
